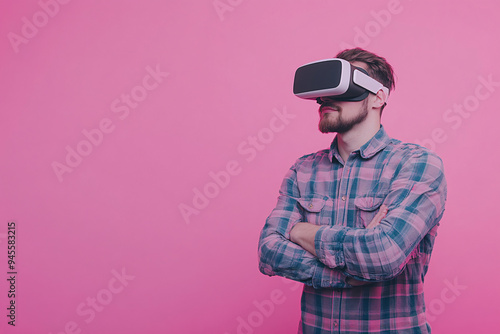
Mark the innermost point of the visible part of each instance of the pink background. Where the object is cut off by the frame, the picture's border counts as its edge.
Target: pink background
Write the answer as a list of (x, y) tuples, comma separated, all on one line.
[(229, 73)]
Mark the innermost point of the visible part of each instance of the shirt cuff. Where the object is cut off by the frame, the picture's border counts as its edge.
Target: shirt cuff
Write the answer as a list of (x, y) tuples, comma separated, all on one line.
[(324, 277), (328, 243)]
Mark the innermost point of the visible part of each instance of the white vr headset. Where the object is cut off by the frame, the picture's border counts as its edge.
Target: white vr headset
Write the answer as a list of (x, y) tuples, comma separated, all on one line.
[(335, 78)]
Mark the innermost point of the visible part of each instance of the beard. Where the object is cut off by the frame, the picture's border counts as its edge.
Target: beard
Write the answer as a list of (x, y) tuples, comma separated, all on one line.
[(336, 123)]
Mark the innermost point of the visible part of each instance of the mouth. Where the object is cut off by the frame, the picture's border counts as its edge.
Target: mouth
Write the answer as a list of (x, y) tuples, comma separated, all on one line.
[(328, 109)]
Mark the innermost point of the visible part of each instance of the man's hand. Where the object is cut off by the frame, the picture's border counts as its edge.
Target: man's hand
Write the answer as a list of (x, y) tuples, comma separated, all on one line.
[(379, 216), (303, 234)]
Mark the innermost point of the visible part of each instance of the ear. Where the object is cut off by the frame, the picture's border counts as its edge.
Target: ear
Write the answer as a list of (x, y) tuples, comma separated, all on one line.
[(380, 99)]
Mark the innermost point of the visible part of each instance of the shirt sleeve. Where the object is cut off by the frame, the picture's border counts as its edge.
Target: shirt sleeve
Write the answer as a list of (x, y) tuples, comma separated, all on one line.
[(416, 201), (279, 256)]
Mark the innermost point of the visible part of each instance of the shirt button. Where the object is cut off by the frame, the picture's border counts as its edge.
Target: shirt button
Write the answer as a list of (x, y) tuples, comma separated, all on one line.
[(310, 206), (335, 323), (343, 198)]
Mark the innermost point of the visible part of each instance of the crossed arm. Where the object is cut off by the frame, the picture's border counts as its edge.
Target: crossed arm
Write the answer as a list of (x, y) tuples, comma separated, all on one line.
[(332, 256), (304, 233)]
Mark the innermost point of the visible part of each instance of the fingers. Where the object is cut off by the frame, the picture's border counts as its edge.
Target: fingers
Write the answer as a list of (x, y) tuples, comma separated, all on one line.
[(379, 216)]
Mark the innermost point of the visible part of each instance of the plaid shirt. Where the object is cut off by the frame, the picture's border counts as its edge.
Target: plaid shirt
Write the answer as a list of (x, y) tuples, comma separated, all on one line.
[(391, 259)]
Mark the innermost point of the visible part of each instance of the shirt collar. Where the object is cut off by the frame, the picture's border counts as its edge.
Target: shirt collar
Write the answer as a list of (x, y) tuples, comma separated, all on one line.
[(376, 144)]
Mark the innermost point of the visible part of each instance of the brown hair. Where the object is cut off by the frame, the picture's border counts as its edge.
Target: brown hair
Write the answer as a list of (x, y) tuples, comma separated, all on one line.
[(378, 67)]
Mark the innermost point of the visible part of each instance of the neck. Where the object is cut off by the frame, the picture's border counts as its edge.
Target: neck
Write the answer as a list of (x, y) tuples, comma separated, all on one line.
[(353, 139)]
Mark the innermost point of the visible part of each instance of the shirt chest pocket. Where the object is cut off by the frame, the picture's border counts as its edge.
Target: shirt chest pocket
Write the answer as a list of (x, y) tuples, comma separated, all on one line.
[(366, 208), (317, 210)]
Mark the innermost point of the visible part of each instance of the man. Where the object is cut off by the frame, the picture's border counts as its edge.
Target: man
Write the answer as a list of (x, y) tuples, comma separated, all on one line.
[(356, 223)]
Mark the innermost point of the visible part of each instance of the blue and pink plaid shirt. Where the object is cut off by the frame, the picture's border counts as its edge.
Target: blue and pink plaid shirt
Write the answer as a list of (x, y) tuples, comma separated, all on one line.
[(390, 259)]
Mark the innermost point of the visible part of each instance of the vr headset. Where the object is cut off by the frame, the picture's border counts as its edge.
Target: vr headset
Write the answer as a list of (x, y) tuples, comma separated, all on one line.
[(334, 78)]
